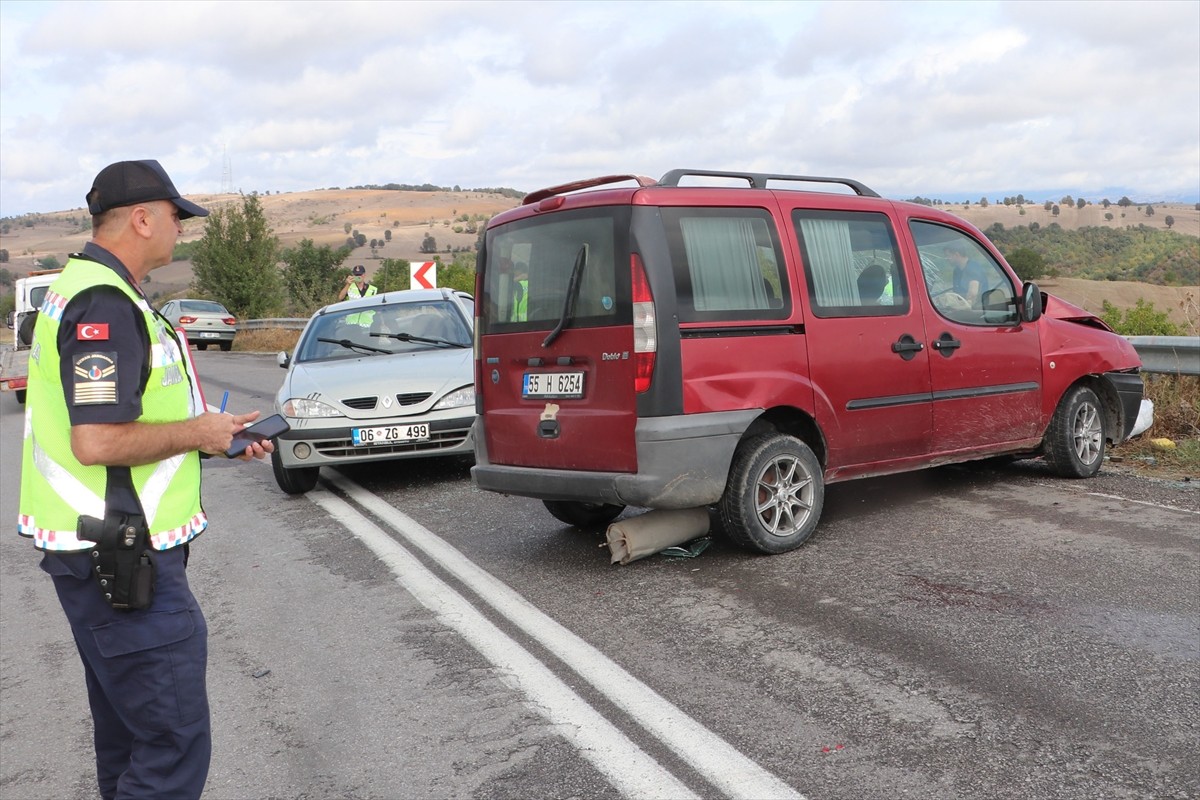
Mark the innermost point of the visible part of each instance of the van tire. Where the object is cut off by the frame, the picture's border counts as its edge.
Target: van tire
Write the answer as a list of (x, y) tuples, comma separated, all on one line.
[(774, 494), (583, 515), (1075, 439), (20, 395), (293, 481)]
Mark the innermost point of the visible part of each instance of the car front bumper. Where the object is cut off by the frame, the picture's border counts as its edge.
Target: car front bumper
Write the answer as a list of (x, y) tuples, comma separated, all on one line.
[(330, 446)]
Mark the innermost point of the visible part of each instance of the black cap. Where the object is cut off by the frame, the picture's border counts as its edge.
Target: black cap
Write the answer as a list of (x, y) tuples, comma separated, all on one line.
[(359, 270), (128, 183)]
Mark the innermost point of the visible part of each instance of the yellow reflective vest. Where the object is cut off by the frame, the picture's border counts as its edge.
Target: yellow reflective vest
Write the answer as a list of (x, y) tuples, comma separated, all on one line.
[(55, 488), (363, 318)]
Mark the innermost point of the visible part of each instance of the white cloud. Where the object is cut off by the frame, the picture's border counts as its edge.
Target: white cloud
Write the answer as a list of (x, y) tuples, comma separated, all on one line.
[(935, 99)]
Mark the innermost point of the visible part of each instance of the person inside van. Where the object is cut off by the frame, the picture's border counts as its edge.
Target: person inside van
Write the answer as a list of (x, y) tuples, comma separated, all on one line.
[(969, 275), (875, 286)]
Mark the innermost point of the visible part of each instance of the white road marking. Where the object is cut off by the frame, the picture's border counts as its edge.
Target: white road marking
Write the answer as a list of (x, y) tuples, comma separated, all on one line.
[(723, 765), (627, 766), (1142, 502)]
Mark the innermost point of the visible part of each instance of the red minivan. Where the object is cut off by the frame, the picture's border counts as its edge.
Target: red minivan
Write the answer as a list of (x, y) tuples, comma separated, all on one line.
[(665, 345)]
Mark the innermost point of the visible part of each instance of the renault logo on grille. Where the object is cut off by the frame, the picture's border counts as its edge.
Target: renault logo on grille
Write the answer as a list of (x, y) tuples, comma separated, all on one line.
[(387, 401)]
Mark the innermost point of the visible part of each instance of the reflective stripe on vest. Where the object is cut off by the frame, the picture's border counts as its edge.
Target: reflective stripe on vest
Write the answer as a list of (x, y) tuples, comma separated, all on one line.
[(55, 488)]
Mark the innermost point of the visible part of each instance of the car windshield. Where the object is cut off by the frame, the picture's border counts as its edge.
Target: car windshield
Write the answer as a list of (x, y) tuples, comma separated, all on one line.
[(202, 307), (385, 329)]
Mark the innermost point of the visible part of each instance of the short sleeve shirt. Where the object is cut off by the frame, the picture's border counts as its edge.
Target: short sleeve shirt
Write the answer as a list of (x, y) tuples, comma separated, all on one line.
[(103, 321)]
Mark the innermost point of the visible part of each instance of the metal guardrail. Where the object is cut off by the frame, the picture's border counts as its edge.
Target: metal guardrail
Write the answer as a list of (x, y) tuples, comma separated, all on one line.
[(286, 323), (1173, 355)]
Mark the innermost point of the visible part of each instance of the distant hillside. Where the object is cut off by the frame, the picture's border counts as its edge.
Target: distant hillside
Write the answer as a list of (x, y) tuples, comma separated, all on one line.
[(323, 216)]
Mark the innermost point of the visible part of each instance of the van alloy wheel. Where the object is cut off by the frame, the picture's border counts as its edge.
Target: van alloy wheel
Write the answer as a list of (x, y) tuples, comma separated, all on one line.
[(774, 495), (1075, 439)]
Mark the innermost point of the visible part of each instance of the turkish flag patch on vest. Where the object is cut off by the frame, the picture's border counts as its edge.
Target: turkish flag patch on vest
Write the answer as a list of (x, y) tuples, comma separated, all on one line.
[(92, 331)]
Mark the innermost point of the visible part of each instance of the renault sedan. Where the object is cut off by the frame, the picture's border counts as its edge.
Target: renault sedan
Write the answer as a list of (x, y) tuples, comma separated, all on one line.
[(377, 378)]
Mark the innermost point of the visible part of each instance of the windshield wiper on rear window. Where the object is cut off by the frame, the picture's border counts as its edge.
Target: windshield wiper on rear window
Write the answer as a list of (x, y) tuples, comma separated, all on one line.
[(349, 345), (408, 337), (572, 292)]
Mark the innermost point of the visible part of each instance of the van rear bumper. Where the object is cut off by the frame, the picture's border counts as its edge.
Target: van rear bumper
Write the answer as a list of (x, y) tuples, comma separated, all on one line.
[(683, 462)]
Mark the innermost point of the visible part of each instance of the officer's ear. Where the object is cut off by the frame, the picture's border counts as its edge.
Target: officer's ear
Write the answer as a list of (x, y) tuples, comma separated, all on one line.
[(139, 220)]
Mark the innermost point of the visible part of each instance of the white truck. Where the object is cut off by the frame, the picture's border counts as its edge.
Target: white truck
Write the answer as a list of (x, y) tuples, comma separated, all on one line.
[(14, 359)]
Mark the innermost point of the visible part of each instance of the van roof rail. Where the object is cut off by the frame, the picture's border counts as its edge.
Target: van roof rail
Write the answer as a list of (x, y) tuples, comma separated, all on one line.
[(758, 180), (588, 183)]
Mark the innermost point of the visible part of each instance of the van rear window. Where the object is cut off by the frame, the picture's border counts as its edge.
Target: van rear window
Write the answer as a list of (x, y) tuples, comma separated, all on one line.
[(727, 263), (529, 266)]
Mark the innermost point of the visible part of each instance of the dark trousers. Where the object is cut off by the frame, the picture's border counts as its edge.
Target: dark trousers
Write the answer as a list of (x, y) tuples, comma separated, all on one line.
[(145, 674)]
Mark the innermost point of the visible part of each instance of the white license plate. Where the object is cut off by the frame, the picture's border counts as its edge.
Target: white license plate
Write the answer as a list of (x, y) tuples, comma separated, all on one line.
[(552, 384), (209, 334), (390, 434)]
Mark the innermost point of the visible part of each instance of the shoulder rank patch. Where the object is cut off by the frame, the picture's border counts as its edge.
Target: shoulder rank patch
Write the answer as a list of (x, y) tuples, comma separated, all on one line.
[(95, 379), (91, 331)]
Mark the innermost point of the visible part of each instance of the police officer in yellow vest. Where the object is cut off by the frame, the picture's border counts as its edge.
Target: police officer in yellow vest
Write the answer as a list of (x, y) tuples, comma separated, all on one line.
[(356, 286), (110, 487)]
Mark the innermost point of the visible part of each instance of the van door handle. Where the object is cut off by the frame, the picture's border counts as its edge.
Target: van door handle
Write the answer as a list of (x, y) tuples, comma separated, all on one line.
[(946, 344), (907, 347)]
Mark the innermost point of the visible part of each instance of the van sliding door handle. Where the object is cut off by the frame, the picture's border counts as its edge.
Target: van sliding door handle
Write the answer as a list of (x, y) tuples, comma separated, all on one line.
[(907, 347), (946, 345)]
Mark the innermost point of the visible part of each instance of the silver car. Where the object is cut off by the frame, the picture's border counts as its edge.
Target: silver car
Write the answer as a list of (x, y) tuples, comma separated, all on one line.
[(204, 321), (381, 377)]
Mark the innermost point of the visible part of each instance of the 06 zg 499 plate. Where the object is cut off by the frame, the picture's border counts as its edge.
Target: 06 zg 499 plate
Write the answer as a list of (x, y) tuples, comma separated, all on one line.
[(390, 434)]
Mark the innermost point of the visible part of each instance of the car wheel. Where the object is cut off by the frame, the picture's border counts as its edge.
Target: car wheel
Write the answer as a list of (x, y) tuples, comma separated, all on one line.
[(226, 347), (293, 481), (774, 495), (1074, 443), (201, 345), (583, 515)]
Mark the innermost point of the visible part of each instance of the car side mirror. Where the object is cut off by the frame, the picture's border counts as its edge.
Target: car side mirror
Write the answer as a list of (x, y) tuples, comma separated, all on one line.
[(11, 319), (1031, 302), (283, 359)]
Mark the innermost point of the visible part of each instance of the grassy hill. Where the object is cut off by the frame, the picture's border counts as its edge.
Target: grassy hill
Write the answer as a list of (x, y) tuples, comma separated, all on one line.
[(323, 216)]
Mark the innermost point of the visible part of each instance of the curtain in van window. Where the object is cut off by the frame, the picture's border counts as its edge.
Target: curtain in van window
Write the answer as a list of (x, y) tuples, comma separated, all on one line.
[(831, 261), (722, 260)]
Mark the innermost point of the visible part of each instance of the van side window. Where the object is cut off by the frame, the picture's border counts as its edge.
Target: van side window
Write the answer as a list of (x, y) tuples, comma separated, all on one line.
[(727, 264), (851, 264), (964, 282)]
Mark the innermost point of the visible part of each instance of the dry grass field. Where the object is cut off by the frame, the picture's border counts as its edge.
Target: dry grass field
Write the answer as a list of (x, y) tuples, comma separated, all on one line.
[(322, 215)]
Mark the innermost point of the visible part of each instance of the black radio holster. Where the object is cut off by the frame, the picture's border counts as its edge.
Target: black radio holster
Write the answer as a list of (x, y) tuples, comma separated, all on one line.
[(121, 559)]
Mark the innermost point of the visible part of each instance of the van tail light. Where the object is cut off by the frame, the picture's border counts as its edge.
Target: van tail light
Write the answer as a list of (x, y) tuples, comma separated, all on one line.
[(186, 320), (229, 320), (645, 329)]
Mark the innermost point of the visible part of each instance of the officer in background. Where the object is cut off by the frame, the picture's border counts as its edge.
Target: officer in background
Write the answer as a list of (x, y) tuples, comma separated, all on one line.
[(356, 285), (110, 487)]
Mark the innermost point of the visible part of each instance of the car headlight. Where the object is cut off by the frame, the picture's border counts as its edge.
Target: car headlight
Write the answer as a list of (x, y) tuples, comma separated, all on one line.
[(464, 396), (304, 407)]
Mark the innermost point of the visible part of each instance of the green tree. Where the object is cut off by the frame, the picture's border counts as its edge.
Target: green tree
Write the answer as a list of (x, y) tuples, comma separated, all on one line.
[(387, 234), (1141, 320), (49, 262), (1124, 202), (4, 253), (312, 276), (347, 227), (235, 261), (392, 275), (1049, 204), (429, 244), (6, 277), (1028, 264), (1149, 210), (1167, 219), (1080, 203)]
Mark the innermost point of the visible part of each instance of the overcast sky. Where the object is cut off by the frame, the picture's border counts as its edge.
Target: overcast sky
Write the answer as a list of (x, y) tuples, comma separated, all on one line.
[(945, 100)]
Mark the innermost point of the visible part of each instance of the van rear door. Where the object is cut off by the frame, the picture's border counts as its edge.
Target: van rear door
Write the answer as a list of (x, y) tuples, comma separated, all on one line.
[(555, 361)]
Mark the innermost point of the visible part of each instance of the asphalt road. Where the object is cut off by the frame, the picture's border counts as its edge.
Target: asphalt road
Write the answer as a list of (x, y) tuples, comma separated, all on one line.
[(959, 632)]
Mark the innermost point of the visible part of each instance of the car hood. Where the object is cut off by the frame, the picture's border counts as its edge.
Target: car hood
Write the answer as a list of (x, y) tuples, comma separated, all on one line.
[(433, 372), (1057, 308)]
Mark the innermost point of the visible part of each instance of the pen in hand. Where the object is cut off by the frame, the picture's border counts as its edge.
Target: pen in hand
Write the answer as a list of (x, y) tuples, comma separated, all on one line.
[(224, 400)]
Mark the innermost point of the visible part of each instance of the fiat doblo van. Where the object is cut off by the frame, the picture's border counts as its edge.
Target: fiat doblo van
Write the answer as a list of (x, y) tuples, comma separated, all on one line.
[(663, 344)]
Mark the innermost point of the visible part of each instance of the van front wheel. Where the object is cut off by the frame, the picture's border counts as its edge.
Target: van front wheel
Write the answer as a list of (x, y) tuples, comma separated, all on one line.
[(774, 495), (1074, 445), (583, 515)]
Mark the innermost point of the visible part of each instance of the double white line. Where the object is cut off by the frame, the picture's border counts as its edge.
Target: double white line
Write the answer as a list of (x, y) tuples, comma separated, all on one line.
[(629, 768)]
